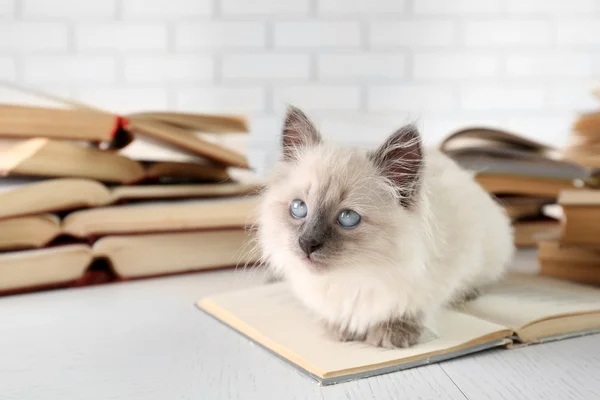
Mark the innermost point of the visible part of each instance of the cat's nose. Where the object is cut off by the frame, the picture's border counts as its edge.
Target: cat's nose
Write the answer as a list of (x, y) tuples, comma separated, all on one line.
[(310, 245)]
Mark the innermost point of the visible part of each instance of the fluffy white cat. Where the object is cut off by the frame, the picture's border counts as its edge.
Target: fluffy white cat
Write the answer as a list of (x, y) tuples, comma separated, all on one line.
[(375, 243)]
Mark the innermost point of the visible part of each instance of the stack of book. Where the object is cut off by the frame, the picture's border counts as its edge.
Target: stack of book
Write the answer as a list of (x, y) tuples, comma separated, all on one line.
[(583, 146), (90, 197), (526, 177), (575, 254)]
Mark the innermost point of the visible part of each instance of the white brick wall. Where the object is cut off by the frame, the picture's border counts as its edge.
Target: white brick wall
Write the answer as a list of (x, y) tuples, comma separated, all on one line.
[(43, 9), (557, 64), (559, 7), (8, 70), (22, 37), (318, 98), (361, 7), (219, 35), (411, 98), (165, 9), (503, 97), (125, 100), (321, 34), (69, 69), (127, 37), (360, 67), (578, 32), (436, 32), (458, 7), (7, 8), (280, 8), (222, 98), (454, 65), (265, 67), (505, 32), (174, 69)]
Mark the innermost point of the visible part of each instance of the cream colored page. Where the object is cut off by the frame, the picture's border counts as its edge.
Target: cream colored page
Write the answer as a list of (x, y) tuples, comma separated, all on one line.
[(163, 216), (167, 191), (271, 316), (44, 266), (522, 299), (139, 255)]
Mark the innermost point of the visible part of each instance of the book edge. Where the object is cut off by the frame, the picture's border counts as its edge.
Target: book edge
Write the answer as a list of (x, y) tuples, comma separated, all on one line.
[(205, 305), (418, 363), (564, 336)]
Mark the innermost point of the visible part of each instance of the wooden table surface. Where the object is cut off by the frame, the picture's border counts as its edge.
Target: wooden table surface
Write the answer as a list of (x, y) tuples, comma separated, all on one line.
[(146, 340)]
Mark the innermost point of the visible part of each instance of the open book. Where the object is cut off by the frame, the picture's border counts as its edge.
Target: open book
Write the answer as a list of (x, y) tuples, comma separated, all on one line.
[(521, 309), (125, 257), (26, 122), (168, 216), (27, 197), (42, 157), (191, 133), (507, 163)]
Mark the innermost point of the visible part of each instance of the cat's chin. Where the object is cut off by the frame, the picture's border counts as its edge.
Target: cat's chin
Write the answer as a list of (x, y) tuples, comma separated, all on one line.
[(314, 264)]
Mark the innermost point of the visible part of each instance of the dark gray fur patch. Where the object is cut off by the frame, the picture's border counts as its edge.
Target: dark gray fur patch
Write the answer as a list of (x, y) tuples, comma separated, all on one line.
[(464, 297), (400, 158), (396, 333)]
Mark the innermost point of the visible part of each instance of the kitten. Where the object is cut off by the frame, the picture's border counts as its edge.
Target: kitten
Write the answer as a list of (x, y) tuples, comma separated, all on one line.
[(375, 243)]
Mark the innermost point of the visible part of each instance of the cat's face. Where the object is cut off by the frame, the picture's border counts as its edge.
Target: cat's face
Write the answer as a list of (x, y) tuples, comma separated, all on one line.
[(333, 207)]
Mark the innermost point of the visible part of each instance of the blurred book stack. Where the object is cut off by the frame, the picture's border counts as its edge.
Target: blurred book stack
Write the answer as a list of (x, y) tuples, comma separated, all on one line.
[(575, 253), (92, 197), (524, 176), (583, 146)]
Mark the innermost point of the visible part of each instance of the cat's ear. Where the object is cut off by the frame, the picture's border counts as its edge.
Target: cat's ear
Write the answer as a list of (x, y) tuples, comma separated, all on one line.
[(298, 133), (400, 159)]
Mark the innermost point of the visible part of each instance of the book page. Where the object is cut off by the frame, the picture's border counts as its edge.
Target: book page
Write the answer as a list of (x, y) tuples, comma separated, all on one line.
[(50, 195), (10, 183), (182, 191), (27, 232), (271, 316), (522, 299), (161, 216), (145, 255), (22, 269)]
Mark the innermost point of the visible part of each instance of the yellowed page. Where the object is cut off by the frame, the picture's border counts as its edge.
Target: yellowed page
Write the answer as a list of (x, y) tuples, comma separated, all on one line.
[(522, 299), (272, 317), (144, 255), (29, 231), (43, 266), (163, 217), (52, 195), (21, 151), (182, 191)]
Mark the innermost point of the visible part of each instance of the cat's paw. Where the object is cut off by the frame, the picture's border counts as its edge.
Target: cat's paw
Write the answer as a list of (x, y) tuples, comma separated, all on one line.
[(340, 334), (465, 296), (472, 294), (395, 334)]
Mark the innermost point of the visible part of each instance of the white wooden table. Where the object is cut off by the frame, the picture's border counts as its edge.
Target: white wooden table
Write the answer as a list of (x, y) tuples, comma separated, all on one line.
[(146, 340)]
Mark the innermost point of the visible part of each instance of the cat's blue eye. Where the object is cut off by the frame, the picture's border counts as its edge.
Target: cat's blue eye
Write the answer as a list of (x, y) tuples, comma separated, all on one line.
[(348, 218), (298, 209)]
